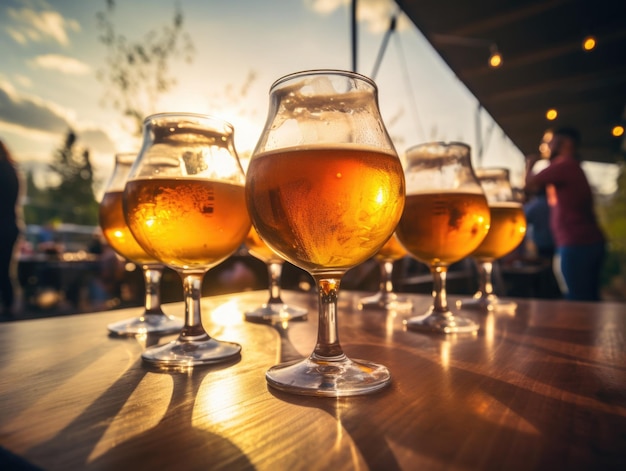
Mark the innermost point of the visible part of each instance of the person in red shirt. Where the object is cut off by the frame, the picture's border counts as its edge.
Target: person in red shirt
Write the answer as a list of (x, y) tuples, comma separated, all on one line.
[(578, 237)]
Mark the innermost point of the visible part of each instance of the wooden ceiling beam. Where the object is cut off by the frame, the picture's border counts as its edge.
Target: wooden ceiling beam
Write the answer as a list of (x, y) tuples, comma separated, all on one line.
[(501, 20), (541, 55), (616, 77)]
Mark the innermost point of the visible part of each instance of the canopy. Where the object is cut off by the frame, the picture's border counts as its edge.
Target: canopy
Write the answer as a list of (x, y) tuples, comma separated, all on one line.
[(543, 65)]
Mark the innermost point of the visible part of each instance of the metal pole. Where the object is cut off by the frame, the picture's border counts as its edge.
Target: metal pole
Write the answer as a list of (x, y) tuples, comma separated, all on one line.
[(354, 35), (383, 46), (479, 135)]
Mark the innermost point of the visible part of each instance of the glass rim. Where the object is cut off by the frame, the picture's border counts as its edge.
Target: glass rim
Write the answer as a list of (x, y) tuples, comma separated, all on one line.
[(336, 72), (494, 169), (185, 114), (125, 156), (445, 144)]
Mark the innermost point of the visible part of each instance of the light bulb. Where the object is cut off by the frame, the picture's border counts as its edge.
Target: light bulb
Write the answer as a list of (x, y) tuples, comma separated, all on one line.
[(495, 59), (589, 43)]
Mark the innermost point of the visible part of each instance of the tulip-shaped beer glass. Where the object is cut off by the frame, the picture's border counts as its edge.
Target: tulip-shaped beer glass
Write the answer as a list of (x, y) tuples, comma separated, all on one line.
[(275, 309), (185, 204), (325, 190), (445, 218), (119, 237), (507, 231), (386, 299)]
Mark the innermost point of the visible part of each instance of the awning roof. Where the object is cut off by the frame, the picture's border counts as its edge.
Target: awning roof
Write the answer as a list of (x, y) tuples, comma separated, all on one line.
[(544, 65)]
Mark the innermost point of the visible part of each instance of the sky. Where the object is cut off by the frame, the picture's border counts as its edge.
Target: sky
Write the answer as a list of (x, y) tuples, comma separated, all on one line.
[(52, 59)]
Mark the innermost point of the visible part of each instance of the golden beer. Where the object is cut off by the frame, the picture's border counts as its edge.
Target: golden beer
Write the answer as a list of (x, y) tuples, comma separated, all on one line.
[(259, 249), (443, 228), (187, 223), (506, 232), (116, 231), (392, 250), (326, 209)]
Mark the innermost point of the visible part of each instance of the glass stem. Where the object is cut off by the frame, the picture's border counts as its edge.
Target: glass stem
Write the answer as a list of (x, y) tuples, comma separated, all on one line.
[(440, 303), (485, 286), (386, 283), (192, 292), (152, 278), (328, 347), (274, 271)]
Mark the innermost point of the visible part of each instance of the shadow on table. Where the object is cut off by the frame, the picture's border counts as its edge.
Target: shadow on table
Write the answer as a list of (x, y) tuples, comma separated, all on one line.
[(157, 448), (454, 416)]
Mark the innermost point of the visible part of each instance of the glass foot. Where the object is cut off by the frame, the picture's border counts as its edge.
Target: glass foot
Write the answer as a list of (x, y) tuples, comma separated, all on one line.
[(490, 303), (146, 324), (330, 378), (442, 323), (276, 313), (185, 353), (386, 302)]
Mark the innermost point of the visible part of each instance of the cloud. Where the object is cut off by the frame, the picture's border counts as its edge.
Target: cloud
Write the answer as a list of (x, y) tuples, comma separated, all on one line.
[(23, 80), (326, 7), (375, 14), (29, 112), (96, 140), (29, 25), (65, 64)]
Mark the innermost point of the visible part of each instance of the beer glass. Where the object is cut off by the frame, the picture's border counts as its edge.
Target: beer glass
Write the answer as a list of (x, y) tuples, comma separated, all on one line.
[(184, 203), (386, 299), (275, 309), (115, 230), (445, 219), (325, 190), (506, 232)]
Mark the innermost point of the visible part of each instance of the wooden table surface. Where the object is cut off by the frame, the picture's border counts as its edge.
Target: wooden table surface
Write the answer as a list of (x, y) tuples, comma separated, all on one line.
[(544, 388)]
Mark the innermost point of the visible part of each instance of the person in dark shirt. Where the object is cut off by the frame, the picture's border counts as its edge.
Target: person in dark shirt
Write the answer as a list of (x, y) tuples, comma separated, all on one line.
[(578, 237), (9, 227)]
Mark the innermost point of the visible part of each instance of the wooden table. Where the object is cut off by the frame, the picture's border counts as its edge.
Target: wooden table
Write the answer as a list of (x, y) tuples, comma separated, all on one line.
[(544, 388)]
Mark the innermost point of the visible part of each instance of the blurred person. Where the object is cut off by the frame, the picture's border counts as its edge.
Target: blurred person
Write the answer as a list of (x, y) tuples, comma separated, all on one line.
[(580, 242), (537, 212), (9, 227), (540, 247)]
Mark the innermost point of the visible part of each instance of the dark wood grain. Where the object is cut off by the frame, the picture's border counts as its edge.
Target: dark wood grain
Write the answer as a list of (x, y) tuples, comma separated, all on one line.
[(544, 388)]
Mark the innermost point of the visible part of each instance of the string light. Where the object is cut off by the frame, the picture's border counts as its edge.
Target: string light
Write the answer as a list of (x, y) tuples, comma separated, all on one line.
[(617, 131), (495, 59), (551, 114), (589, 43)]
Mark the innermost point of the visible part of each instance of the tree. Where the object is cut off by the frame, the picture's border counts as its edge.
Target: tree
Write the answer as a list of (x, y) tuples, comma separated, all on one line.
[(74, 194), (137, 72), (613, 217), (70, 197)]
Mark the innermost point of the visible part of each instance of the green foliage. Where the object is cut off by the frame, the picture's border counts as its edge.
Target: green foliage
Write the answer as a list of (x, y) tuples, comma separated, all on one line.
[(72, 200), (613, 218), (137, 71), (37, 208), (613, 214)]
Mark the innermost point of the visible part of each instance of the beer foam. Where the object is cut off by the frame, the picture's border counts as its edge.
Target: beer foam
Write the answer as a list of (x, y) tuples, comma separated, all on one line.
[(417, 190), (505, 204)]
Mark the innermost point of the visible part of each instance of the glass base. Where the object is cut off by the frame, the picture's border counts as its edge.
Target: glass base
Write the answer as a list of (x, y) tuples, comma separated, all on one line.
[(442, 323), (146, 324), (490, 303), (276, 313), (341, 377), (386, 302), (186, 353)]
